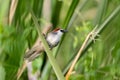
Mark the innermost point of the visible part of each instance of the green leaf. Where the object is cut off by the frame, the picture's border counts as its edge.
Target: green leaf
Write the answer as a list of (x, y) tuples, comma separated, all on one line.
[(56, 13), (70, 13), (49, 53), (101, 11)]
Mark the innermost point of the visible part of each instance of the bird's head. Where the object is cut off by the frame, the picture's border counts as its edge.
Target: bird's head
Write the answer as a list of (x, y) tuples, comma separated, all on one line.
[(59, 30)]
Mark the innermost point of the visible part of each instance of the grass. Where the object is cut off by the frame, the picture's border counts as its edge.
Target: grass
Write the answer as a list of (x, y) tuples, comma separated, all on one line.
[(99, 60)]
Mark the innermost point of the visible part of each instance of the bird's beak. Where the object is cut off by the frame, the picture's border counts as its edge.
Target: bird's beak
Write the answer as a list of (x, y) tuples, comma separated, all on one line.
[(65, 31)]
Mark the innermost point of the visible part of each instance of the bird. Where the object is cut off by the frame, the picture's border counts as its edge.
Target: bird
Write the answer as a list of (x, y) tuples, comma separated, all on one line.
[(52, 38)]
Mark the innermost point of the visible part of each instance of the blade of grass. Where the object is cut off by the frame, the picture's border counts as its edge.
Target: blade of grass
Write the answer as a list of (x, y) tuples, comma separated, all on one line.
[(68, 17), (70, 13), (46, 72), (37, 7), (48, 52), (101, 10), (112, 15), (56, 13), (13, 6), (75, 15)]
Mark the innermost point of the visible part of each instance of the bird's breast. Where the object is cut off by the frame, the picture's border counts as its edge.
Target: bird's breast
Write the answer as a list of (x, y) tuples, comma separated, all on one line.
[(52, 39)]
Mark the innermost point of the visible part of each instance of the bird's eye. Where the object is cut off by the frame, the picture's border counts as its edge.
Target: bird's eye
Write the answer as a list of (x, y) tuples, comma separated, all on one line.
[(62, 30)]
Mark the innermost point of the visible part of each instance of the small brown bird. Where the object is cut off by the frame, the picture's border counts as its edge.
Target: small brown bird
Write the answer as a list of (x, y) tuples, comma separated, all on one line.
[(52, 38)]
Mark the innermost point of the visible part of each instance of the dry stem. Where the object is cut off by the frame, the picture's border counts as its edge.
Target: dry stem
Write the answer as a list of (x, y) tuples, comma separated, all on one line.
[(32, 56), (92, 36)]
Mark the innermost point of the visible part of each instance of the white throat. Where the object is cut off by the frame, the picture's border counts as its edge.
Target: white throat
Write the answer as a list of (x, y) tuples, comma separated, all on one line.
[(59, 34), (54, 37)]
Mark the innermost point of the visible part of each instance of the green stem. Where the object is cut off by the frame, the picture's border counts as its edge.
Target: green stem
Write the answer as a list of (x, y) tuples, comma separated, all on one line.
[(48, 52)]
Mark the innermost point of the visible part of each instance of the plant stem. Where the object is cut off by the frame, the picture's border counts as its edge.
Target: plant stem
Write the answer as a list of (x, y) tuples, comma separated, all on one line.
[(48, 52)]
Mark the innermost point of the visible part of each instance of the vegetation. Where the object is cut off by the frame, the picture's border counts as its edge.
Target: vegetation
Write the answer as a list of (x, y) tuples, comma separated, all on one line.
[(22, 21)]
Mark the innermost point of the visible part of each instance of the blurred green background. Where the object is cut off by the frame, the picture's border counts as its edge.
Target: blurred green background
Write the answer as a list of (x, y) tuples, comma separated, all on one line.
[(99, 61)]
